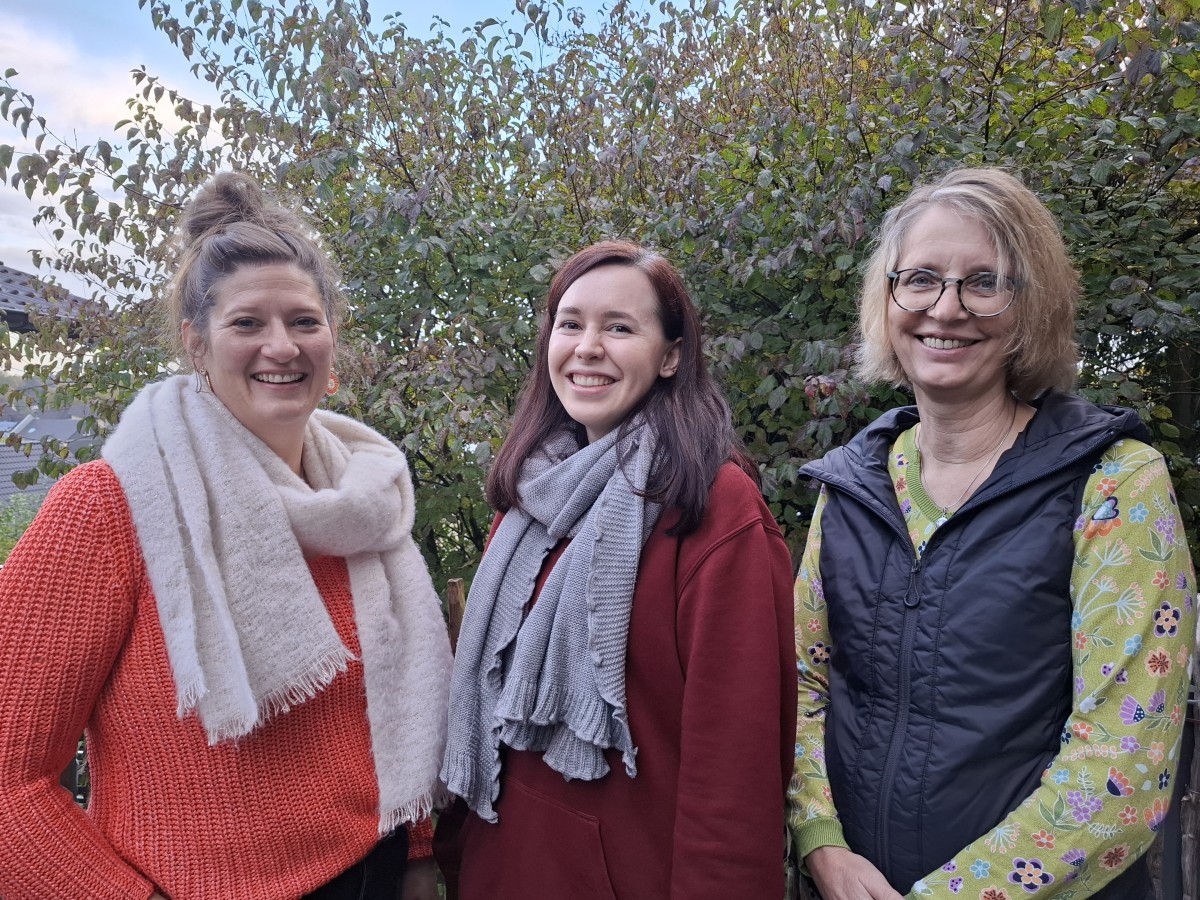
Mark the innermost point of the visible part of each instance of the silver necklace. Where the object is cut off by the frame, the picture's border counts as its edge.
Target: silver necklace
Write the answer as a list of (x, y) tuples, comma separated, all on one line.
[(946, 511)]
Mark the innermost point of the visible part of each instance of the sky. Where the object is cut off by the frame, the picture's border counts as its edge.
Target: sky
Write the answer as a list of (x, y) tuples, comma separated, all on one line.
[(75, 56)]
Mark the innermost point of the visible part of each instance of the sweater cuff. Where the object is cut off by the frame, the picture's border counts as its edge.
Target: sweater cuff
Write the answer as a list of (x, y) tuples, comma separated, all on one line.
[(420, 839), (814, 833)]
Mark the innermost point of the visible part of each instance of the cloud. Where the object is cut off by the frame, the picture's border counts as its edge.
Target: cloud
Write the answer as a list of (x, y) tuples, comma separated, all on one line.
[(68, 84), (77, 70), (16, 229)]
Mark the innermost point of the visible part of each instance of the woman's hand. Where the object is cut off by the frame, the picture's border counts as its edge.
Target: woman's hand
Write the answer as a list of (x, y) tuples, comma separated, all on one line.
[(843, 875), (420, 880)]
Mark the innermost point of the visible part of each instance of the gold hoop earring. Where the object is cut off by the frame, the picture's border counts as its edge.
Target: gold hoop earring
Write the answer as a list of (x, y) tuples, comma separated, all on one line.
[(332, 386), (202, 380)]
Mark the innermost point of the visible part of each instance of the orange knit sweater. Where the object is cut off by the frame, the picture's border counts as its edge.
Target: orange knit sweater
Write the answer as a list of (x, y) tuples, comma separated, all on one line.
[(271, 817)]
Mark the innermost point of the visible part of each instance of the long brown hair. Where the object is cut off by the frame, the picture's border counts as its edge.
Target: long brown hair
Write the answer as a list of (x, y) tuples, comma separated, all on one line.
[(687, 411)]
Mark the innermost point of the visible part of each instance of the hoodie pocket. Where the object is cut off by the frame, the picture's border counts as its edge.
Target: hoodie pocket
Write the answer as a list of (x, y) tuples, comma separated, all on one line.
[(538, 848)]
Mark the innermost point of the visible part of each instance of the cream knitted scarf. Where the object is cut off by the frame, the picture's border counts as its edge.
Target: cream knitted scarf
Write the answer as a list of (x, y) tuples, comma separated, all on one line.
[(225, 525), (554, 680)]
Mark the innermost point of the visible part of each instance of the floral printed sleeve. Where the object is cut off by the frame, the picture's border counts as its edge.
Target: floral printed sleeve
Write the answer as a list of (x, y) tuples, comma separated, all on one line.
[(811, 814), (1106, 792)]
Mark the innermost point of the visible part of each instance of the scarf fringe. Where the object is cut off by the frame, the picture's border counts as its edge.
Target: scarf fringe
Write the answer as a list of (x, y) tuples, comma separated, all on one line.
[(281, 701), (189, 697), (312, 683), (414, 810), (230, 730)]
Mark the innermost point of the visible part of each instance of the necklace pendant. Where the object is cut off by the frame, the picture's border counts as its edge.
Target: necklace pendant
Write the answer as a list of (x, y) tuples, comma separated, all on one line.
[(941, 520)]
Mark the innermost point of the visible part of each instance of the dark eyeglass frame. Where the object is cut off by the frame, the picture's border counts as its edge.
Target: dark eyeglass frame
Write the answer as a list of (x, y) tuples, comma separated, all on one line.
[(958, 283)]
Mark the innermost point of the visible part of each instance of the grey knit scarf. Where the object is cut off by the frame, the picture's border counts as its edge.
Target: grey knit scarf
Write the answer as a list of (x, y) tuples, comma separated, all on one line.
[(553, 680)]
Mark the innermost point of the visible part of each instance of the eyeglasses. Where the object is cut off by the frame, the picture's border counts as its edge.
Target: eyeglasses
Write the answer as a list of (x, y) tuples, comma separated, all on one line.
[(984, 294)]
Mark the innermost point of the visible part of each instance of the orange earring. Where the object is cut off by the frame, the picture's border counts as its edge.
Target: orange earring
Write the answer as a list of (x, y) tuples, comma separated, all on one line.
[(332, 387)]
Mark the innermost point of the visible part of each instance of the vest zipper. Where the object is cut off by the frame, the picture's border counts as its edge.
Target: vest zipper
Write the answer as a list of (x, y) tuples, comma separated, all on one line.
[(883, 811)]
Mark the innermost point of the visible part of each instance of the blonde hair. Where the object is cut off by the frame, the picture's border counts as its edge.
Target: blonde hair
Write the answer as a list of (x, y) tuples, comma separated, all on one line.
[(232, 222), (1042, 353)]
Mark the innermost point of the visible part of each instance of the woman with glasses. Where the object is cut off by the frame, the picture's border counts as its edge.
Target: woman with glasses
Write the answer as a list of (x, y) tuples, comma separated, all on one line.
[(995, 607)]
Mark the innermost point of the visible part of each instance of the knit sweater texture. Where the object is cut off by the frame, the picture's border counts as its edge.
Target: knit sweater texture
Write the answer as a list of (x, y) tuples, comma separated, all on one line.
[(270, 817)]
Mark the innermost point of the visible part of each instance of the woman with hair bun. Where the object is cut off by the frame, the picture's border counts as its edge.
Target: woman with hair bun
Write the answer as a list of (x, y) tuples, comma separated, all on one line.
[(624, 687), (231, 603)]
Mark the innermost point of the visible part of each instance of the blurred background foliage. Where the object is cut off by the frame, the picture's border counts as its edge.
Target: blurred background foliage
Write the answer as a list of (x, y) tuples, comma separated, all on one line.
[(16, 513), (756, 144)]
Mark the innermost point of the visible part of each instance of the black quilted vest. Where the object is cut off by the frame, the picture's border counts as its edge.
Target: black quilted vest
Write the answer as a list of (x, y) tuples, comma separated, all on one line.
[(950, 676)]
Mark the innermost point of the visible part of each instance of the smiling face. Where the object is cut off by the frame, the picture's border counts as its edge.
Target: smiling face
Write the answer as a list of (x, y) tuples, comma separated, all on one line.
[(607, 347), (268, 352), (946, 353)]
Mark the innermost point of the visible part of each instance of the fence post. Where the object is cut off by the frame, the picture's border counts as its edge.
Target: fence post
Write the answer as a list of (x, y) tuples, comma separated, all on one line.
[(456, 606), (1189, 812)]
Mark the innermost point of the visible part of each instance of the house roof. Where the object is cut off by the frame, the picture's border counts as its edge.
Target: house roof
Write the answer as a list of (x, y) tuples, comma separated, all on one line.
[(21, 294), (32, 428), (35, 426), (13, 461)]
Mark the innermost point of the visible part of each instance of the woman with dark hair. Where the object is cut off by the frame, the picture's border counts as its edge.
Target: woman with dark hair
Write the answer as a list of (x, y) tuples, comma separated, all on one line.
[(231, 603), (622, 706), (997, 599)]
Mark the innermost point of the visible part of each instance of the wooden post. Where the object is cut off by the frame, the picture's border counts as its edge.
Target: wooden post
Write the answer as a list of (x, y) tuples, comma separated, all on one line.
[(1190, 815), (456, 606)]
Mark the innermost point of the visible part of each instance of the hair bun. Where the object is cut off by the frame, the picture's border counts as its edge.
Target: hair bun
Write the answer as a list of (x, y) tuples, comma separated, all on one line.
[(229, 198)]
